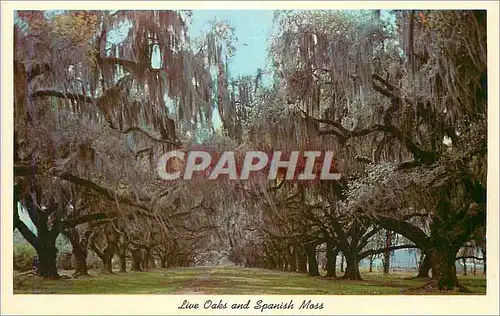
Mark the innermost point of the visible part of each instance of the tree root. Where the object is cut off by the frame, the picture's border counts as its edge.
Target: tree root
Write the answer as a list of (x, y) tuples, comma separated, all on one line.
[(32, 272), (417, 278), (433, 286), (350, 279), (56, 276), (76, 275)]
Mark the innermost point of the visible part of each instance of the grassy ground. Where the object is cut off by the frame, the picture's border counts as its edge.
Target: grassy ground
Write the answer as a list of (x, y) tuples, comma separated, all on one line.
[(227, 280)]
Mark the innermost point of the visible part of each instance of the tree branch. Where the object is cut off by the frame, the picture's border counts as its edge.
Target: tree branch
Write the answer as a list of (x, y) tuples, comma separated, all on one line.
[(94, 248), (26, 232), (159, 140), (63, 95), (469, 257), (107, 193), (388, 90), (367, 253), (36, 71), (421, 155), (83, 98), (364, 239), (408, 230), (72, 222)]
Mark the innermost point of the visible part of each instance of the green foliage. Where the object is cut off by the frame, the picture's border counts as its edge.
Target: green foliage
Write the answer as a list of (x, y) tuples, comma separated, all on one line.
[(23, 256)]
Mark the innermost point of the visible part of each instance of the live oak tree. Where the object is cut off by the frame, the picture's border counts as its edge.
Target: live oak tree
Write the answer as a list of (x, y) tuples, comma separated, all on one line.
[(78, 91)]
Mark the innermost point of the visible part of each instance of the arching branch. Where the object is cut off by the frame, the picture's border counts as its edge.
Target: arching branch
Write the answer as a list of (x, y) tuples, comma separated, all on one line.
[(367, 253)]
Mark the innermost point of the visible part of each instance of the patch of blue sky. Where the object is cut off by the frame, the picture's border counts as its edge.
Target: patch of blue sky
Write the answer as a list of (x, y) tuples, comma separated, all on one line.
[(252, 29), (24, 216)]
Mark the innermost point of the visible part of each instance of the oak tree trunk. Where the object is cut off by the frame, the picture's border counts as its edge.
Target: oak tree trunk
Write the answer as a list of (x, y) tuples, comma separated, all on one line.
[(163, 262), (279, 262), (47, 255), (302, 259), (293, 263), (152, 263), (331, 261), (107, 264), (352, 269), (79, 250), (425, 267), (123, 262), (311, 260), (387, 254), (483, 250), (136, 259), (80, 261), (46, 250), (443, 269)]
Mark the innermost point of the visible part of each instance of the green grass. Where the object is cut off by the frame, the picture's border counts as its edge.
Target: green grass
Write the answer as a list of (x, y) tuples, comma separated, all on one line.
[(227, 280)]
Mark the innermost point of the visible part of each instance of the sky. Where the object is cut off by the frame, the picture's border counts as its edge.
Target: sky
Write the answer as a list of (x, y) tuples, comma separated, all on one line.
[(252, 28)]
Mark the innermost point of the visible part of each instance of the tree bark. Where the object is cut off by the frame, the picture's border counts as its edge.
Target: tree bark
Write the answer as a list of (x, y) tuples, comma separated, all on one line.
[(152, 263), (136, 259), (302, 259), (47, 250), (443, 269), (47, 255), (342, 262), (105, 255), (271, 263), (121, 250), (279, 261), (147, 259), (293, 262), (311, 260), (45, 241), (425, 267), (371, 258), (107, 267), (331, 260), (420, 261), (80, 262), (285, 262), (352, 268), (483, 250), (79, 249), (163, 262), (123, 262), (387, 254)]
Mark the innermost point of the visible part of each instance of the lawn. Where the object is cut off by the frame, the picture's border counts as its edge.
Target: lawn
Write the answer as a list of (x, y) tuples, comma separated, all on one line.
[(227, 280)]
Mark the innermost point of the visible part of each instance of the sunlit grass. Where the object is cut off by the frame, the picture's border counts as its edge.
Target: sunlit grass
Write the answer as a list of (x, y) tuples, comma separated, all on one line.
[(228, 280)]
